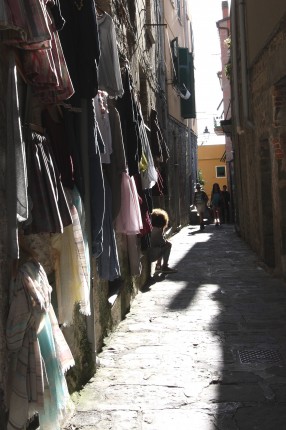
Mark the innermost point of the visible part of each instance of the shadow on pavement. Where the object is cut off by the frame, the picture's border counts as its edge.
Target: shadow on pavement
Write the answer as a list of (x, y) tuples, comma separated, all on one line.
[(152, 281), (240, 311)]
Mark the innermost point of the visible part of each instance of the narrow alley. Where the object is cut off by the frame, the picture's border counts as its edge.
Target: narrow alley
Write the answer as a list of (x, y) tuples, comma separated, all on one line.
[(203, 349)]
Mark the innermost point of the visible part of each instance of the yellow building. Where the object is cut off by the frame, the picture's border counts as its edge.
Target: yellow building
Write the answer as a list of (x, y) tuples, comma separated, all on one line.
[(211, 163)]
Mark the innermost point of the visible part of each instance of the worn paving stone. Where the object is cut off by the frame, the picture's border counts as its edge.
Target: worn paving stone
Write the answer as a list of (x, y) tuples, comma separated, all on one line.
[(261, 417), (173, 362)]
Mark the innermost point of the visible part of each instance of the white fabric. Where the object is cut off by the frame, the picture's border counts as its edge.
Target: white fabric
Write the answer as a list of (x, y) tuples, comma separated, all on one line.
[(149, 176), (16, 172), (102, 118), (109, 74)]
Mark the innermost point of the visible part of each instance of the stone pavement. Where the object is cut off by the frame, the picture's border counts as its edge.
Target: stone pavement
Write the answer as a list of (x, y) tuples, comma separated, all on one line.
[(203, 349)]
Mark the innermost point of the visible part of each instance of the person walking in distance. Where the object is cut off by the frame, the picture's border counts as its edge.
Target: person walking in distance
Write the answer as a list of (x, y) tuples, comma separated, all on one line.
[(216, 201), (160, 247), (200, 201)]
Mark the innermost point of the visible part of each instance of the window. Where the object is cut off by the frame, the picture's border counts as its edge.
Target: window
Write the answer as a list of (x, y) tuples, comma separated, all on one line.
[(220, 171), (187, 82)]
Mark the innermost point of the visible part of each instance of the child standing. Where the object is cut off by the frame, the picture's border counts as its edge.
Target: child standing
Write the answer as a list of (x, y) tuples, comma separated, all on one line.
[(160, 247)]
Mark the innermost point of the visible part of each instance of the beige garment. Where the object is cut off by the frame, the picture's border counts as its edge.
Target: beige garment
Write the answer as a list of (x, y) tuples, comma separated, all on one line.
[(71, 277)]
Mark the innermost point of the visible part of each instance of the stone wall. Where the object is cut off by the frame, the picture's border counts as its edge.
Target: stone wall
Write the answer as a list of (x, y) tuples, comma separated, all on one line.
[(179, 173), (260, 156)]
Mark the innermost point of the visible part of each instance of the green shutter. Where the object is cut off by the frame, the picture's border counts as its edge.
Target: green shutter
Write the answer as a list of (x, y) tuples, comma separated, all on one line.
[(186, 76)]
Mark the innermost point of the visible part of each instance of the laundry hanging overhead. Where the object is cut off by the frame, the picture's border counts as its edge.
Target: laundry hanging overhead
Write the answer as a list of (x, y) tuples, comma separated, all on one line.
[(102, 118), (80, 42), (109, 74), (16, 170), (39, 354)]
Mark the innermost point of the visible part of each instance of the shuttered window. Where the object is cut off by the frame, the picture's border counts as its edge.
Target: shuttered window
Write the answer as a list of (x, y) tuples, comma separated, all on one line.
[(186, 78)]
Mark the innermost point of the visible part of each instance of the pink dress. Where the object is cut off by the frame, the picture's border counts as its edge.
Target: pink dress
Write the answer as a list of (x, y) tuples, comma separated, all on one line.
[(129, 220)]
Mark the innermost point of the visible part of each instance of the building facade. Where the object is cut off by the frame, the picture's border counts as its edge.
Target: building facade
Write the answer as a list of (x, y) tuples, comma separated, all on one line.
[(212, 166), (258, 77), (223, 126), (181, 117)]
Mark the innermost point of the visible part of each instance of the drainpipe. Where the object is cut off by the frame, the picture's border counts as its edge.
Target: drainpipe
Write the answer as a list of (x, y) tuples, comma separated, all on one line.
[(241, 20), (239, 129)]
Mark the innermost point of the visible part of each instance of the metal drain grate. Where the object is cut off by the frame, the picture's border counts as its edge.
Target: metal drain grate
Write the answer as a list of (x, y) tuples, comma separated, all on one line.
[(260, 356)]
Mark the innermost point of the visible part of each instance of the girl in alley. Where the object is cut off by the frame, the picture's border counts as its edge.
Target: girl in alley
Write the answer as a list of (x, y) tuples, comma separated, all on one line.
[(160, 247), (216, 201)]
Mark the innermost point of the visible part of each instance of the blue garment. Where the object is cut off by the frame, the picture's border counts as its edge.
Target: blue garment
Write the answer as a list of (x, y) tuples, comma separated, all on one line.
[(97, 192), (108, 264), (56, 394)]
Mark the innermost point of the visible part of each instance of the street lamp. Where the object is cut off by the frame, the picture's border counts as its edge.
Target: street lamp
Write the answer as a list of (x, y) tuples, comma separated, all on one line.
[(206, 134)]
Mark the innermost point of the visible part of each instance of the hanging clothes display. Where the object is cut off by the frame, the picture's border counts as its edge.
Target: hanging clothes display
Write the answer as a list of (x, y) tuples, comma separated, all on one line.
[(46, 69), (160, 154), (50, 212), (158, 144), (56, 395), (86, 146), (102, 118), (109, 74), (83, 260), (107, 263), (16, 171), (127, 109), (21, 28), (97, 192), (56, 12), (80, 42), (117, 164), (144, 208), (78, 203), (148, 173), (33, 386), (72, 126), (53, 122), (71, 269), (157, 190), (134, 254), (129, 219)]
